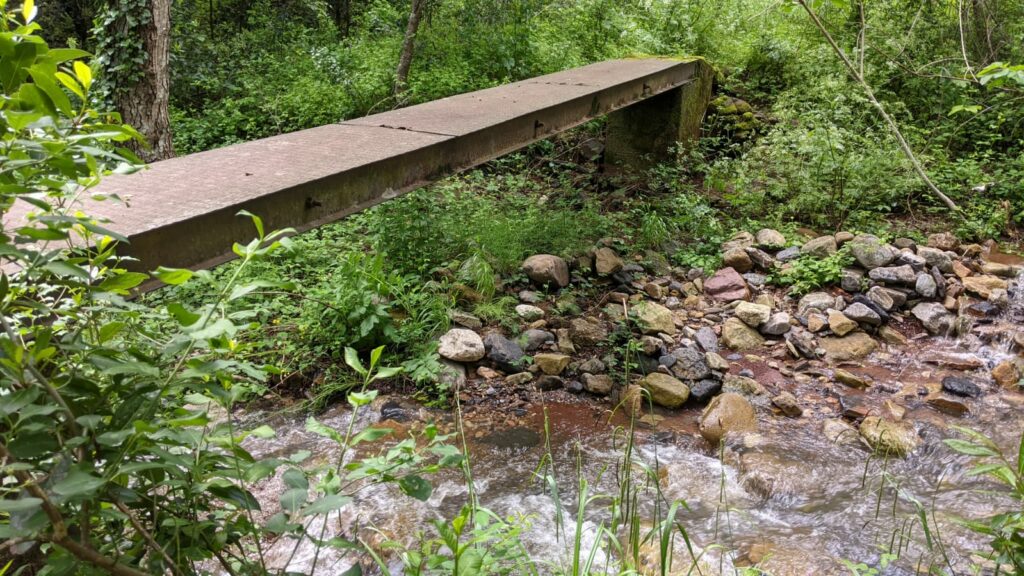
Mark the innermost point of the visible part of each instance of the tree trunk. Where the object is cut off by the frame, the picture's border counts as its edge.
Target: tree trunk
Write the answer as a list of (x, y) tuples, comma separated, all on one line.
[(408, 46), (985, 23), (145, 105)]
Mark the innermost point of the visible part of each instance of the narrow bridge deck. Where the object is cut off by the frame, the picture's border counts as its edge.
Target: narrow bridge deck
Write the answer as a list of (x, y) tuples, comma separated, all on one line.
[(182, 212)]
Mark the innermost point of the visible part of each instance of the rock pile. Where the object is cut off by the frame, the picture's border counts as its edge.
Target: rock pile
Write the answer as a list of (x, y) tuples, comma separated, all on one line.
[(682, 331)]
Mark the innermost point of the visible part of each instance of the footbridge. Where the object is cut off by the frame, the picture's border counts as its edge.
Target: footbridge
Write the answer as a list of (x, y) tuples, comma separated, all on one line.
[(182, 212)]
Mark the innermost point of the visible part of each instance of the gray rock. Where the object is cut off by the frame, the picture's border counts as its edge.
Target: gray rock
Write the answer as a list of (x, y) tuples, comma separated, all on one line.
[(861, 313), (600, 384), (960, 386), (760, 258), (821, 247), (587, 331), (529, 312), (690, 364), (777, 325), (881, 298), (452, 375), (902, 243), (505, 353), (913, 260), (547, 383), (592, 366), (770, 239), (801, 343), (925, 285), (534, 339), (852, 279), (465, 319), (937, 258), (788, 254), (530, 297), (755, 280), (666, 360), (706, 339), (704, 390), (934, 316), (546, 269), (461, 345), (894, 275), (850, 347), (741, 239), (815, 301), (871, 252)]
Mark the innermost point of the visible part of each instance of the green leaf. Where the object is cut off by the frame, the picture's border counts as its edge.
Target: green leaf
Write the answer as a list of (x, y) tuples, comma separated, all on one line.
[(969, 448), (122, 283), (295, 478), (256, 221), (352, 360), (293, 499), (370, 435), (328, 503), (181, 315), (416, 487), (263, 431), (172, 276), (78, 483), (237, 496), (20, 505), (316, 427)]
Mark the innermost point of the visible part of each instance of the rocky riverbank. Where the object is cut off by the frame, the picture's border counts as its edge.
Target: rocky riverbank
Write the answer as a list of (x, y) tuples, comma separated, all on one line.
[(655, 340)]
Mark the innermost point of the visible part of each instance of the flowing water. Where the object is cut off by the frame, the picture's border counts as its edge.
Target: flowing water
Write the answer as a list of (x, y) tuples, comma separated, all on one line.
[(785, 497)]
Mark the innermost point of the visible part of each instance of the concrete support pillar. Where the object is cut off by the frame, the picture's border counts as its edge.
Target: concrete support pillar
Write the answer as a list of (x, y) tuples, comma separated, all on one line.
[(643, 135)]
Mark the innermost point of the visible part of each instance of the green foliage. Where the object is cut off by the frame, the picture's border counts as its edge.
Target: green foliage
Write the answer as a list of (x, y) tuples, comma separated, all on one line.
[(488, 223), (121, 450), (120, 53), (1005, 529), (808, 273)]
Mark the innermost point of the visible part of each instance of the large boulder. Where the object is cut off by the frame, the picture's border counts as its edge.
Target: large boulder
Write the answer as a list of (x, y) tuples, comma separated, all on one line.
[(690, 364), (777, 325), (871, 252), (820, 301), (770, 239), (727, 285), (727, 412), (546, 269), (461, 345), (937, 258), (888, 437), (607, 262), (739, 336), (737, 259), (934, 316), (506, 354), (849, 347), (665, 390), (654, 318), (587, 331), (821, 247)]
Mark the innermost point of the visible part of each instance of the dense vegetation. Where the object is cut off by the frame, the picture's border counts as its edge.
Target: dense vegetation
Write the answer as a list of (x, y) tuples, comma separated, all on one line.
[(120, 446)]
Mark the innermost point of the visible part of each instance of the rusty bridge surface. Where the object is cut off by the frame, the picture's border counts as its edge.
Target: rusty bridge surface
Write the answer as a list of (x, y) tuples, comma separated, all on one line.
[(182, 212)]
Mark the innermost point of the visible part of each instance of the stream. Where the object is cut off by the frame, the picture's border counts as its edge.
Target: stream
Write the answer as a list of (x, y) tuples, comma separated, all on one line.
[(786, 498)]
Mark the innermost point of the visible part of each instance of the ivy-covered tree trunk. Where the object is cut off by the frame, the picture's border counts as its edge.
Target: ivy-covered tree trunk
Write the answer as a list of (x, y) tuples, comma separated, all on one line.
[(133, 40), (408, 45)]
